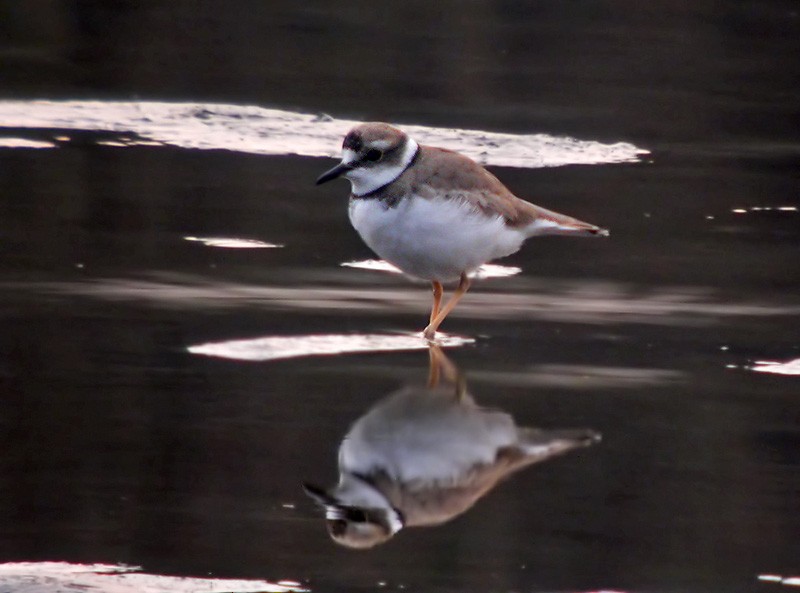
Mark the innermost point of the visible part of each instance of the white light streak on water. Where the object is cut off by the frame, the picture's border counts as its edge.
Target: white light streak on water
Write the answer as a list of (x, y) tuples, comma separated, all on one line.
[(791, 367), (776, 578), (46, 577), (765, 209), (282, 347), (233, 243), (258, 130), (23, 143), (482, 273)]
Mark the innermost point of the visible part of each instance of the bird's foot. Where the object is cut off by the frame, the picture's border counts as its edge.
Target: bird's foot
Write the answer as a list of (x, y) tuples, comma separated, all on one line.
[(429, 333)]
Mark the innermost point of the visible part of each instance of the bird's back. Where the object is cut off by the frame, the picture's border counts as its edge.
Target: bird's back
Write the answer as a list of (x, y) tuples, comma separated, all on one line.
[(438, 173)]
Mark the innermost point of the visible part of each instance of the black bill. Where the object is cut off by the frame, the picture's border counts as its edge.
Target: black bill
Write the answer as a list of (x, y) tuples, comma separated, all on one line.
[(337, 171)]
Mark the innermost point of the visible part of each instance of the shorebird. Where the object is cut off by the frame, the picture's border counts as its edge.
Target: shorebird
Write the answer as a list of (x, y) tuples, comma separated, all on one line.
[(436, 214)]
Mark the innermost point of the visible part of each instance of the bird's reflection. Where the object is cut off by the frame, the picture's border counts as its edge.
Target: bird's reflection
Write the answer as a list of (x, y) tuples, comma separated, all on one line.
[(424, 455)]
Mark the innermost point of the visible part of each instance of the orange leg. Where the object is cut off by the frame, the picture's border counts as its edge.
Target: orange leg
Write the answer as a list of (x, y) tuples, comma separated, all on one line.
[(437, 299), (463, 286)]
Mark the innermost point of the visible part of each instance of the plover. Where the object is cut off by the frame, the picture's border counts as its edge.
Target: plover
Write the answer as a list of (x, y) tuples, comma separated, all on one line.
[(434, 213)]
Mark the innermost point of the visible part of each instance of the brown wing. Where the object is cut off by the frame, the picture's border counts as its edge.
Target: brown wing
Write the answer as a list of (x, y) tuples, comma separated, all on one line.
[(443, 173), (453, 176)]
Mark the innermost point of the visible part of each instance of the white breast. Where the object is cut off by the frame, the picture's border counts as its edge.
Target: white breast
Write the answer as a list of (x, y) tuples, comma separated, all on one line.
[(433, 239)]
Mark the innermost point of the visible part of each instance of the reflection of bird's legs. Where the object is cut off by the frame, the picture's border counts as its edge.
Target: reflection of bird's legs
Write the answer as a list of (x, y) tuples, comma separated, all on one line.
[(463, 286), (440, 365), (434, 364)]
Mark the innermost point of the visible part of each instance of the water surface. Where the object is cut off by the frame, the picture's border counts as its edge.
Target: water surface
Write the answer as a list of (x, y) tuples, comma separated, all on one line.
[(676, 339)]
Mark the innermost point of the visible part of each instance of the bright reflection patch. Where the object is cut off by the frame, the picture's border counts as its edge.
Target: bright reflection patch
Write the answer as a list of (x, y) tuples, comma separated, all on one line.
[(233, 243), (258, 130), (281, 347), (778, 368), (485, 271), (23, 143), (776, 578), (766, 209), (44, 577)]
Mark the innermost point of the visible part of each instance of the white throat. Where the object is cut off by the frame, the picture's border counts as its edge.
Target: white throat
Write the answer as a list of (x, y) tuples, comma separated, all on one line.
[(365, 180)]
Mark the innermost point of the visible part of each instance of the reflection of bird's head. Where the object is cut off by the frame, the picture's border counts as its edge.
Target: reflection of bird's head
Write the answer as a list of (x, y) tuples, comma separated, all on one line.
[(355, 523)]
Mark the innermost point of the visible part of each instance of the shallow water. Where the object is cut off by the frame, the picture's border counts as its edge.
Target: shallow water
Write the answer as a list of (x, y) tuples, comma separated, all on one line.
[(126, 249)]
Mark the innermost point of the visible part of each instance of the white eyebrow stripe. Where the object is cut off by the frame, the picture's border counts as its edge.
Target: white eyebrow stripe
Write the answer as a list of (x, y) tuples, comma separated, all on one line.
[(349, 156), (382, 144)]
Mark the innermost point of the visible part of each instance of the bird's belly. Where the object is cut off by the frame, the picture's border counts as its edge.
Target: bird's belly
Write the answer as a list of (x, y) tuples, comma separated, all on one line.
[(432, 239)]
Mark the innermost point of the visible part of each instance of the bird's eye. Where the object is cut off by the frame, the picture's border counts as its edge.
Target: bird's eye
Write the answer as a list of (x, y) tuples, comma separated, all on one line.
[(373, 155)]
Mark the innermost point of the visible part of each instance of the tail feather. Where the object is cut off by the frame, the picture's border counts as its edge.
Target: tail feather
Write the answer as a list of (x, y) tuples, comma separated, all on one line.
[(548, 222)]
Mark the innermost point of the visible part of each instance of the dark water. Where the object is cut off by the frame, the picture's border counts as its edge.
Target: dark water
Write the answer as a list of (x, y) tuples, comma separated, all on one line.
[(120, 446)]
